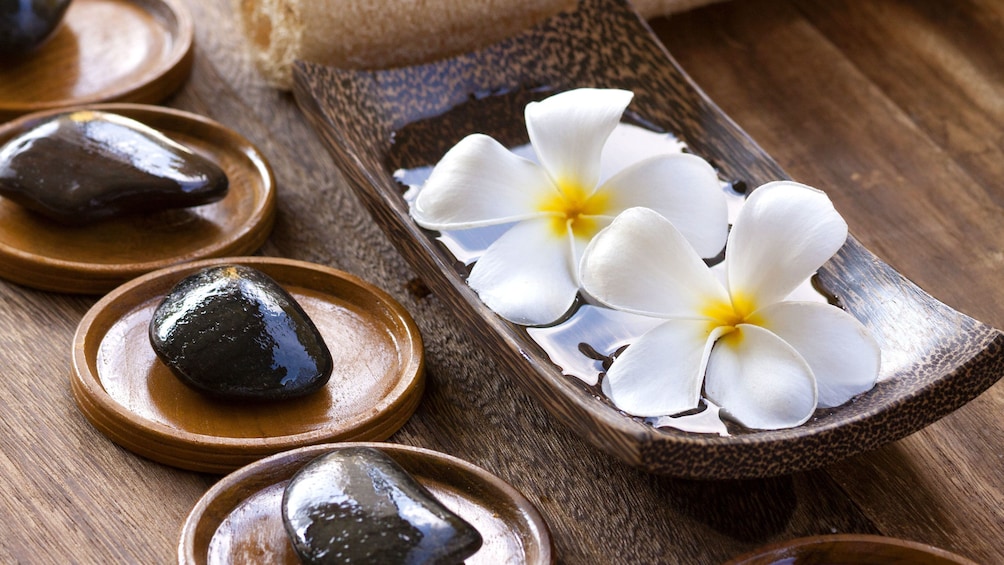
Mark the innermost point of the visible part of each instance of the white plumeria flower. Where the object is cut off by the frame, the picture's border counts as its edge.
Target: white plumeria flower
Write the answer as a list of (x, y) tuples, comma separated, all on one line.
[(767, 362), (529, 275)]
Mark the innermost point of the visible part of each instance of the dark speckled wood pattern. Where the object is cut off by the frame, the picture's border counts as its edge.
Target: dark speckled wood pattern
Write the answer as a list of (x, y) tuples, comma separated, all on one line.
[(935, 359)]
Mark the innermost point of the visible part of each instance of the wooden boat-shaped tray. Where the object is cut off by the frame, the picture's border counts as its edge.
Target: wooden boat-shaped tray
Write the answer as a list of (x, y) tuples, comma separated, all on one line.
[(377, 122)]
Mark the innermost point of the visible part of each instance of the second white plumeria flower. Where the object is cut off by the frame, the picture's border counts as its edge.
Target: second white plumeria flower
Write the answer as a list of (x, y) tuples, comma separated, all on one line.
[(529, 275), (767, 362)]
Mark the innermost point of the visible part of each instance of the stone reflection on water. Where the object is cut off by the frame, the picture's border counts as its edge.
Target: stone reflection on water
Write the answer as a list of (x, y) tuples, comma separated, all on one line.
[(584, 343)]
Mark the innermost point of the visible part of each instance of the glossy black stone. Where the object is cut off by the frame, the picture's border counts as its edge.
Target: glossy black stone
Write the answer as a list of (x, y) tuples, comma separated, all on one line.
[(26, 24), (86, 166), (232, 332), (357, 505)]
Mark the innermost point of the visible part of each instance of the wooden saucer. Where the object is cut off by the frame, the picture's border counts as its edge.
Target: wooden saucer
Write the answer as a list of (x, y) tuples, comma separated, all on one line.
[(132, 397), (92, 259), (103, 51), (239, 520), (859, 549)]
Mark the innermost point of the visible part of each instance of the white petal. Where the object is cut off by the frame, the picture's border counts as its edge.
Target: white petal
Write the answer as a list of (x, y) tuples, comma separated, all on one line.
[(842, 353), (784, 233), (660, 373), (579, 246), (683, 188), (568, 131), (629, 144), (477, 183), (760, 380), (642, 264), (526, 276)]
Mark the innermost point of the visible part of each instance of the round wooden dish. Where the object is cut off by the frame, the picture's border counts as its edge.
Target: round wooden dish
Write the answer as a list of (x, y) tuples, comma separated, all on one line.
[(40, 253), (239, 520), (103, 51), (132, 397), (860, 549)]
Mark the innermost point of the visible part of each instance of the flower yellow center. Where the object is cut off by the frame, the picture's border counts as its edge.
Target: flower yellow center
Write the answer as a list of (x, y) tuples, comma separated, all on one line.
[(728, 315), (572, 207)]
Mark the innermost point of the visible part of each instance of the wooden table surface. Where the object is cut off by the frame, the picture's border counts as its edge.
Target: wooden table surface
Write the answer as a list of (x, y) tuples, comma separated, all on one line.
[(894, 107)]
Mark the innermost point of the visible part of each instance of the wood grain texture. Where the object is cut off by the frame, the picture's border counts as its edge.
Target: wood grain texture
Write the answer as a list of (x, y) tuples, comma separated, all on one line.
[(895, 109), (71, 495)]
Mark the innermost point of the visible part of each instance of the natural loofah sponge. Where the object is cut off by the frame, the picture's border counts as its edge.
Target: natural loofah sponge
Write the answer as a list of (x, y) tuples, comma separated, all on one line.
[(388, 33)]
